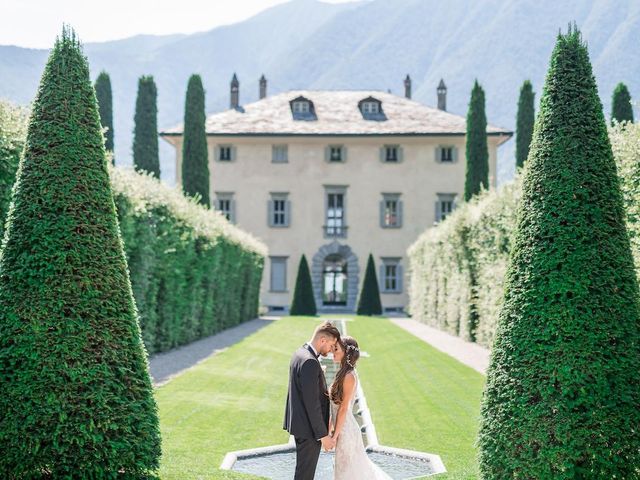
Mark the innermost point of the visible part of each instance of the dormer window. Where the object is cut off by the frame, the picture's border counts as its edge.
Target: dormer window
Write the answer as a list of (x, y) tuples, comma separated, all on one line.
[(371, 109), (302, 109)]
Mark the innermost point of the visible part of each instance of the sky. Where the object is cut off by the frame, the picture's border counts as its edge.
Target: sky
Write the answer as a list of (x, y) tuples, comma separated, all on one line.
[(36, 23)]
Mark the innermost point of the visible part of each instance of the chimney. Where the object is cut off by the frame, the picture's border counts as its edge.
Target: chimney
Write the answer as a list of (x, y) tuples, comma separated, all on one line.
[(235, 92), (442, 96), (407, 86), (263, 87)]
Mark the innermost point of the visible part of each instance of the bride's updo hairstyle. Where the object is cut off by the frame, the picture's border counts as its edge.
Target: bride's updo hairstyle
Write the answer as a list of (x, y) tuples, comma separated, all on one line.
[(348, 364)]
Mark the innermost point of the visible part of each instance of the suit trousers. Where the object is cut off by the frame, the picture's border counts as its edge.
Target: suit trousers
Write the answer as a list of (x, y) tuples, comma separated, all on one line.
[(307, 454)]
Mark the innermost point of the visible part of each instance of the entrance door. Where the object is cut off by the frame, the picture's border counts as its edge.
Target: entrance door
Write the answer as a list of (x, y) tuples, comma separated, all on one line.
[(334, 284)]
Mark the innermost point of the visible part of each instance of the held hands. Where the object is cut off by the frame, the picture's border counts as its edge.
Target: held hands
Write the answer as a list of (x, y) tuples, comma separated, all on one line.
[(328, 443)]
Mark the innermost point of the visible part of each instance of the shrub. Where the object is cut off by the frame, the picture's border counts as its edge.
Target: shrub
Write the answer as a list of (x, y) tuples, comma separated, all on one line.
[(303, 302), (562, 398), (76, 393)]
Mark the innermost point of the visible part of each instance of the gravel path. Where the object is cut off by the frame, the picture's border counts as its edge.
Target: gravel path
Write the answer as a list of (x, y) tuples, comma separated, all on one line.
[(168, 364), (471, 354)]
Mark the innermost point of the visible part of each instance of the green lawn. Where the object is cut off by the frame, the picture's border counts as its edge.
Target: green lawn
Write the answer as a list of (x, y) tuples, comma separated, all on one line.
[(419, 399)]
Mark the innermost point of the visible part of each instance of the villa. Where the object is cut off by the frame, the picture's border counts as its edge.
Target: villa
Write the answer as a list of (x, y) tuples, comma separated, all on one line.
[(336, 175)]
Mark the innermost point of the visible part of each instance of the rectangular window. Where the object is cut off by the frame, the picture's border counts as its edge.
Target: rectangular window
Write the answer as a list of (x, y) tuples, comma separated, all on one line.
[(300, 107), (335, 213), (444, 205), (335, 154), (370, 107), (446, 154), (225, 204), (391, 153), (390, 210), (279, 210), (280, 154), (278, 274), (224, 153), (391, 275)]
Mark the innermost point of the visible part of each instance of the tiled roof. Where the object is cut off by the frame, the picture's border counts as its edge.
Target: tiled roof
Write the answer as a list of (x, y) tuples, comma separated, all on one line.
[(337, 114)]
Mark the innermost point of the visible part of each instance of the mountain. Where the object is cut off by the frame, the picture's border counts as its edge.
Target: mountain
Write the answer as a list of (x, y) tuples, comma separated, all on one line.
[(373, 44)]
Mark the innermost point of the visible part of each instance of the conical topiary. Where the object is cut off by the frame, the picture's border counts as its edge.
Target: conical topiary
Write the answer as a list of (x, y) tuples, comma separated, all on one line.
[(76, 397), (145, 132), (562, 398), (369, 302), (524, 123), (303, 302), (621, 109), (477, 152), (105, 108), (195, 166)]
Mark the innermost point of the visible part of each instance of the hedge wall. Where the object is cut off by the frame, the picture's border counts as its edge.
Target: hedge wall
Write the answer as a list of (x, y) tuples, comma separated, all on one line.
[(192, 272), (457, 268), (13, 130)]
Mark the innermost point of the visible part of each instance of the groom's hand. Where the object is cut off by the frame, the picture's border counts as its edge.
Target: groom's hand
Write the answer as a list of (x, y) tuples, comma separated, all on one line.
[(328, 443)]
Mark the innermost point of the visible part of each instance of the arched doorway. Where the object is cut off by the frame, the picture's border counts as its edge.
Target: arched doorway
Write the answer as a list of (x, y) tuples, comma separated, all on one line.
[(334, 280), (335, 275)]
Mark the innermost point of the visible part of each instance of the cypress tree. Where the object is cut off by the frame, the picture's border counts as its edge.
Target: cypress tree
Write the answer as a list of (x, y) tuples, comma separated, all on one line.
[(76, 394), (195, 167), (621, 109), (369, 302), (562, 398), (145, 133), (477, 173), (524, 123), (303, 302), (105, 108)]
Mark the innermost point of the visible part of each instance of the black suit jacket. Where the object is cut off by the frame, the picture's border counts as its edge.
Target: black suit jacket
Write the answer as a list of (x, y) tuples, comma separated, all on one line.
[(307, 411)]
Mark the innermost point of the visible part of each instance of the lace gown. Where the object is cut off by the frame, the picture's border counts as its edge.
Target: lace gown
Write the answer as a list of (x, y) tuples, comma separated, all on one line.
[(351, 460)]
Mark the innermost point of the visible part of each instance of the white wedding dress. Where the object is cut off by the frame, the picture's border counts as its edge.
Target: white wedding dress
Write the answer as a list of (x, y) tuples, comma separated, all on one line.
[(351, 460)]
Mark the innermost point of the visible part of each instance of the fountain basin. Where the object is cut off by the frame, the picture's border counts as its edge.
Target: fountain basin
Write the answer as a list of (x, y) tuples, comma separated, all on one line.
[(278, 462)]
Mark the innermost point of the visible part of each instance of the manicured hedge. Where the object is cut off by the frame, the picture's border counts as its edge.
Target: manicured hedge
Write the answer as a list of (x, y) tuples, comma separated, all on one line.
[(192, 272), (76, 399), (477, 237)]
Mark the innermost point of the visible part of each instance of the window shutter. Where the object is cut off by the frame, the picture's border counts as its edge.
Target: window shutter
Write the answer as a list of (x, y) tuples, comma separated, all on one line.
[(327, 153), (383, 154), (287, 213), (400, 202), (270, 212), (454, 154), (233, 153), (400, 154), (344, 153), (381, 282), (400, 278), (382, 214), (232, 210), (437, 215), (216, 152), (438, 154)]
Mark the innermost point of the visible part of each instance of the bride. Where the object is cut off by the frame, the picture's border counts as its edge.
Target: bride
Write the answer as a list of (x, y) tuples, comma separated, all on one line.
[(351, 460)]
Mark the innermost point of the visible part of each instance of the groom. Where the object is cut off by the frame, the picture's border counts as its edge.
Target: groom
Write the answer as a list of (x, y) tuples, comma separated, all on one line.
[(307, 413)]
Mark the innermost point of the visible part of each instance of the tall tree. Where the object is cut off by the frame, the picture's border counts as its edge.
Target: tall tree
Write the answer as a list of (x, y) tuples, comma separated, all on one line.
[(145, 133), (477, 173), (105, 108), (303, 302), (562, 398), (76, 393), (369, 302), (195, 167), (621, 109), (524, 123)]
